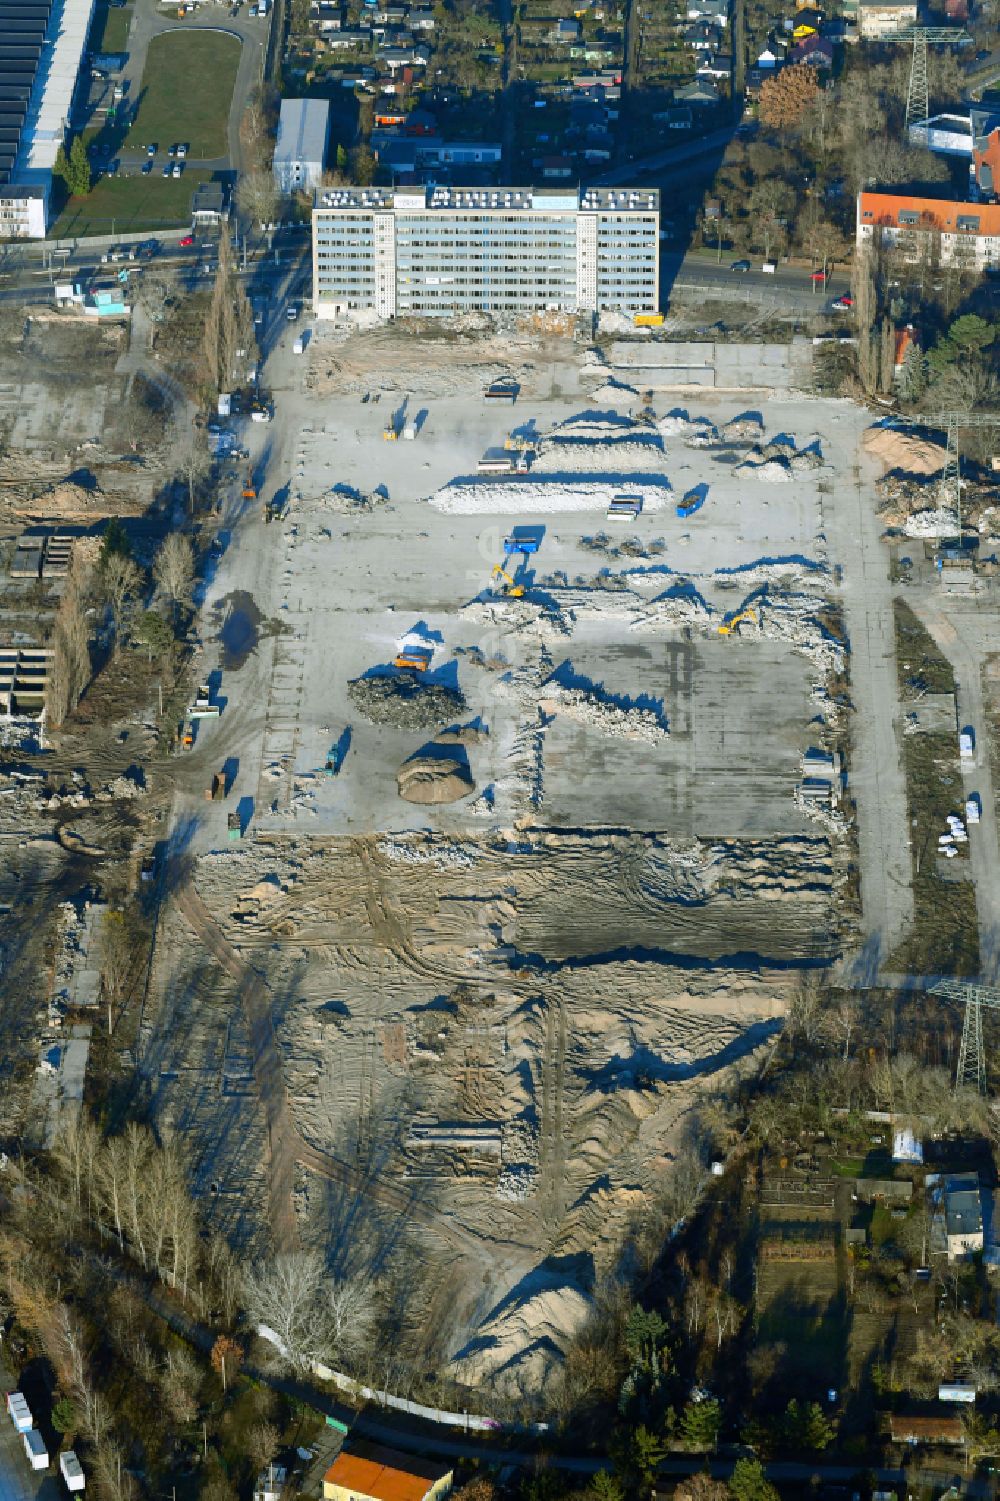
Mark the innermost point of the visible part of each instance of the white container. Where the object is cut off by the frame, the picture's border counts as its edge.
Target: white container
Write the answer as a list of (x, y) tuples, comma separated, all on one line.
[(20, 1412), (409, 432), (966, 748), (225, 404), (34, 1448), (951, 853), (769, 268), (972, 808), (72, 1471), (945, 839), (299, 346)]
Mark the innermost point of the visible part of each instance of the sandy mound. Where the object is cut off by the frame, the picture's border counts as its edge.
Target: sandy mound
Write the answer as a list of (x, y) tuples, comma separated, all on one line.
[(527, 1335), (905, 451), (434, 779), (519, 495)]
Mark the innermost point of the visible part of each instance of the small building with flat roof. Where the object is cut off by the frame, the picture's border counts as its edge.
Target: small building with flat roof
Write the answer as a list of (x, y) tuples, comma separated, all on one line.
[(300, 152)]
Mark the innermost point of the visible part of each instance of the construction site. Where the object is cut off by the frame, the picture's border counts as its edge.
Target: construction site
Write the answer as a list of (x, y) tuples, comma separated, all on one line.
[(552, 725), (530, 687)]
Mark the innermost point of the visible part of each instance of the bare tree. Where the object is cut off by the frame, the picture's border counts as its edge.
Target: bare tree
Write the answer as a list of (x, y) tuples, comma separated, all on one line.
[(116, 957), (173, 571), (257, 196), (69, 666), (294, 1296), (155, 293), (122, 581)]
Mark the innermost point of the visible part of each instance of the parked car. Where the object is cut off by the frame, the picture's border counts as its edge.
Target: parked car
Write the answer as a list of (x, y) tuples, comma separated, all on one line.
[(292, 311), (741, 266), (147, 167), (172, 150), (178, 168), (842, 303), (152, 149), (167, 169), (819, 277), (186, 242), (182, 149)]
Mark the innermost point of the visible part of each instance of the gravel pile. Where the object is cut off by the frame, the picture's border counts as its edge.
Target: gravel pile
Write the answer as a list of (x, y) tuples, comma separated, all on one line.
[(404, 702)]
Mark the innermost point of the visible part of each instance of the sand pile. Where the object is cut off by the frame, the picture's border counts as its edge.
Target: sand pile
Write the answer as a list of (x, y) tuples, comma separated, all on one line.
[(524, 1340), (771, 471), (404, 702), (903, 450), (431, 778)]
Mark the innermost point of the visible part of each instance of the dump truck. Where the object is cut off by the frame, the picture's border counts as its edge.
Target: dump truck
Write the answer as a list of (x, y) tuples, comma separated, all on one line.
[(185, 735), (217, 791), (527, 544), (249, 488), (502, 390)]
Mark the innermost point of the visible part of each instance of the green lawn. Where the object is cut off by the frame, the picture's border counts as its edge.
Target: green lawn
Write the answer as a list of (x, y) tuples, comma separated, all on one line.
[(119, 204), (110, 28), (187, 89)]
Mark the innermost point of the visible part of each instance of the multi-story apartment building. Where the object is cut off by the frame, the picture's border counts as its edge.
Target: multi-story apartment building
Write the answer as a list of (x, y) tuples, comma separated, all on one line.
[(436, 251), (951, 232)]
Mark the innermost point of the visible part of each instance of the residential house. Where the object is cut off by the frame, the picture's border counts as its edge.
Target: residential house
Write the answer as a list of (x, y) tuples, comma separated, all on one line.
[(270, 1483), (326, 16), (715, 11), (816, 51), (703, 93), (963, 1215), (968, 233), (714, 66), (556, 168), (566, 31), (946, 135), (395, 58), (912, 1428), (419, 122), (344, 40), (878, 19), (703, 37), (389, 15), (984, 120), (957, 10), (371, 1472), (421, 20), (807, 17)]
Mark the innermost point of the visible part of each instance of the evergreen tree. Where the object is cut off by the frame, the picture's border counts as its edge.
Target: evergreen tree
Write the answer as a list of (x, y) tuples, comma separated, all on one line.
[(79, 179), (700, 1424), (749, 1483)]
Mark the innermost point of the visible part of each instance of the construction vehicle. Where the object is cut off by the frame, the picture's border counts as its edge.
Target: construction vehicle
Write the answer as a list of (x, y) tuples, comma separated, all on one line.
[(514, 590), (625, 508), (411, 659), (389, 432), (271, 511), (728, 626), (186, 736), (249, 488), (234, 827), (217, 791)]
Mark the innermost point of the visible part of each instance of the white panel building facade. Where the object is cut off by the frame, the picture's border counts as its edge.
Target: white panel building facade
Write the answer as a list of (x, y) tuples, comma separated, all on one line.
[(436, 251), (300, 150)]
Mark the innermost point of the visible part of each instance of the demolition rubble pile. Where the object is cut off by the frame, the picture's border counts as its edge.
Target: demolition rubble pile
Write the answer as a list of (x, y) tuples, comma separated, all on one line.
[(403, 702)]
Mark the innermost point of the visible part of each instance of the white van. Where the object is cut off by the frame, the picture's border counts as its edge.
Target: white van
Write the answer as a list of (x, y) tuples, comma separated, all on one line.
[(769, 268)]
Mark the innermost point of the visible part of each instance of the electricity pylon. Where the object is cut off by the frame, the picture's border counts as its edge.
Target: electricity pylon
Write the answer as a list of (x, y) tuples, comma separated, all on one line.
[(971, 1068), (951, 423), (917, 99)]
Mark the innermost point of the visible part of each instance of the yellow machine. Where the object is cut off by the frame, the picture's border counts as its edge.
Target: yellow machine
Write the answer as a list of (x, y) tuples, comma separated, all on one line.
[(412, 661), (249, 488), (514, 590), (389, 432), (728, 626)]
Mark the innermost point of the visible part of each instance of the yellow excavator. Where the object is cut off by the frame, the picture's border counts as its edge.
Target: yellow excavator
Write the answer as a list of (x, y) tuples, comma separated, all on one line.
[(728, 626), (513, 589)]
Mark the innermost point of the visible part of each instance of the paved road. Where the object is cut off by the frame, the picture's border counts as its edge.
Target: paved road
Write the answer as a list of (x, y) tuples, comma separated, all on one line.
[(789, 286), (876, 778), (967, 635)]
